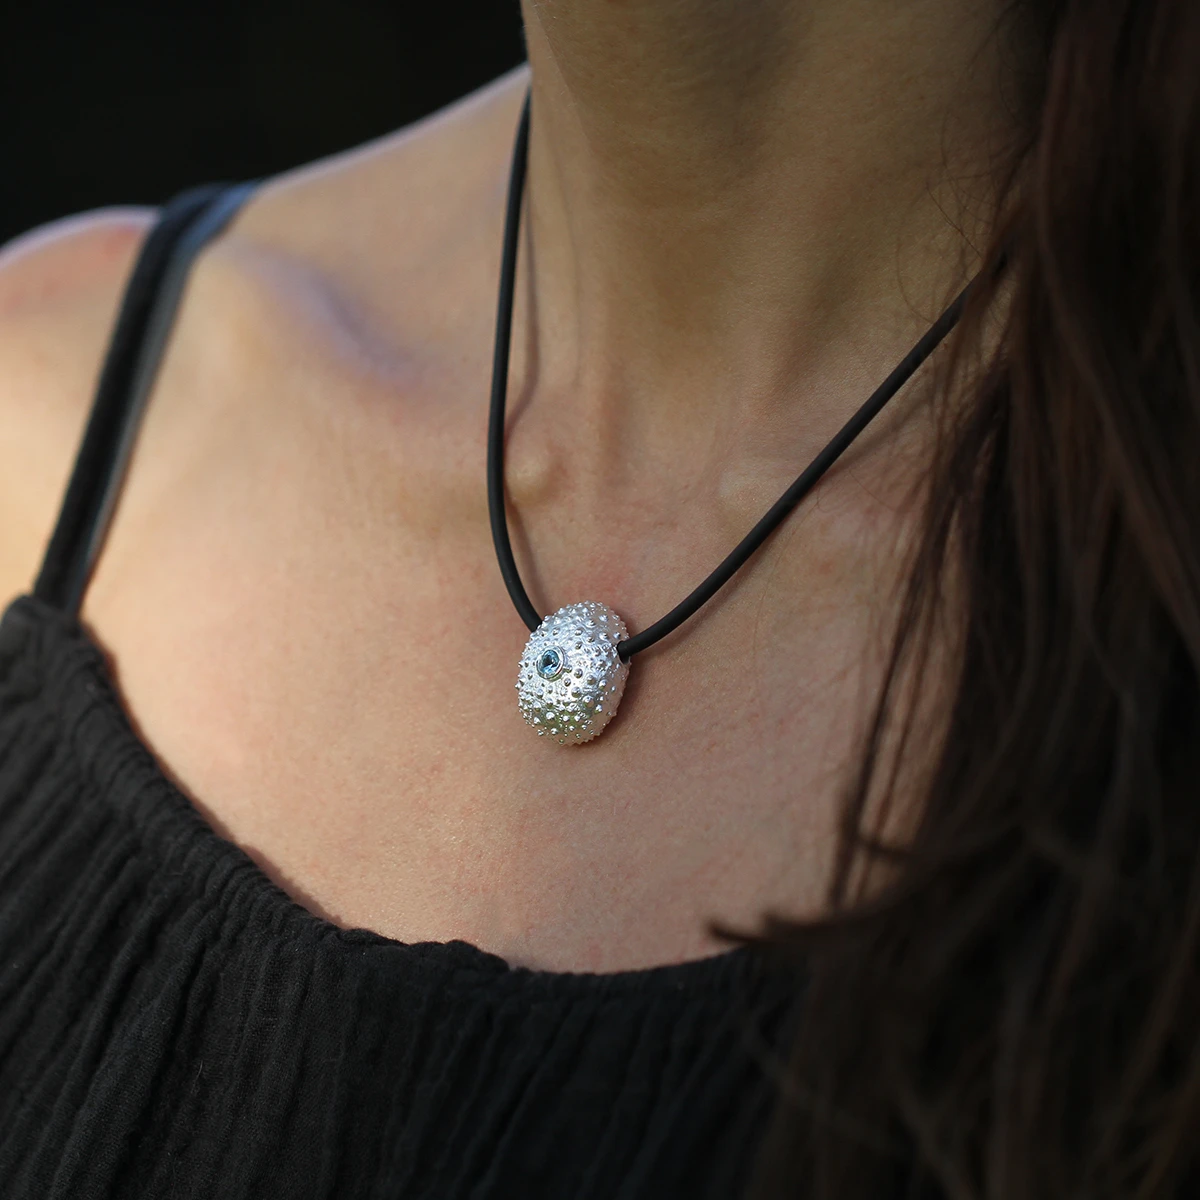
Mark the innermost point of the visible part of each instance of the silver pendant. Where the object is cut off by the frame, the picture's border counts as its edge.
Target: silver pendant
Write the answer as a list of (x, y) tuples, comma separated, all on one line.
[(571, 679)]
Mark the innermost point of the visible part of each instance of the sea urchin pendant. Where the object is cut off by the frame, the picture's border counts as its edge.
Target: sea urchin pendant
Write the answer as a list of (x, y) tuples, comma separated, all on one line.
[(571, 679)]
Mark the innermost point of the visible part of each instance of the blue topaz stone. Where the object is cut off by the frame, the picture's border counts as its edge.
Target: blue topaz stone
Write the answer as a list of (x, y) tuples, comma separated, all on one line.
[(571, 678), (552, 663)]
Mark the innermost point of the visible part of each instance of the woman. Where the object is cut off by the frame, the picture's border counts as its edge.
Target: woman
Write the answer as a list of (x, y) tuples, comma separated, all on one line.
[(942, 725)]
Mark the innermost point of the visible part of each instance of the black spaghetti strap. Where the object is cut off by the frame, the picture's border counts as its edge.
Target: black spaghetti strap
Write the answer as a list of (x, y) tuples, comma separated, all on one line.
[(139, 338)]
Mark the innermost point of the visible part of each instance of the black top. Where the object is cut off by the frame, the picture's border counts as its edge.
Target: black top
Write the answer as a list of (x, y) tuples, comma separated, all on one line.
[(173, 1025)]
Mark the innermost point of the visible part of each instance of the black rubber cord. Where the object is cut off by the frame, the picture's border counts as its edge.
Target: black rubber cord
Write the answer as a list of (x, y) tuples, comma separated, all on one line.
[(504, 314), (761, 531)]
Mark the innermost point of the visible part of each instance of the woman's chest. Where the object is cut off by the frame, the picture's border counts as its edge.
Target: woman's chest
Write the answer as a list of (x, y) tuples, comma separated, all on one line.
[(309, 629), (348, 715)]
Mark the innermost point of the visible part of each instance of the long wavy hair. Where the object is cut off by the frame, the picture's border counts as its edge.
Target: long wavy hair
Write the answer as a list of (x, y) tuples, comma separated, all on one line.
[(1015, 1012)]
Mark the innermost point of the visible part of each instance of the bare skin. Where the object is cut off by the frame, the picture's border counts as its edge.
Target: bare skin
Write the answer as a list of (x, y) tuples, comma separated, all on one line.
[(736, 225)]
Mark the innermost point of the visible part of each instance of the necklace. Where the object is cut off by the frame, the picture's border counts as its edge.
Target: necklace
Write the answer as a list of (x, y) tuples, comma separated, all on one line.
[(574, 667)]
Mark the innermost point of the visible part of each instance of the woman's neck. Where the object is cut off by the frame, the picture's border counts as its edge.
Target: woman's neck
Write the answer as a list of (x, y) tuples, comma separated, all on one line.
[(720, 189)]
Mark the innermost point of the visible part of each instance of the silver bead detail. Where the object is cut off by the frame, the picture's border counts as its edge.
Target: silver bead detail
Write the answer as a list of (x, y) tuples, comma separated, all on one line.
[(571, 680)]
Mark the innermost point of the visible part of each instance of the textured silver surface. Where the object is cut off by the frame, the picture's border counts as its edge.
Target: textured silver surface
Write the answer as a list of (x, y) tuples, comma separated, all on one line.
[(571, 680)]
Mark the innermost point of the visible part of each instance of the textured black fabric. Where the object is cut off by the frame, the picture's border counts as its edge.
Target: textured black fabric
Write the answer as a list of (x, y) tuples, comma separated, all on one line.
[(173, 1025)]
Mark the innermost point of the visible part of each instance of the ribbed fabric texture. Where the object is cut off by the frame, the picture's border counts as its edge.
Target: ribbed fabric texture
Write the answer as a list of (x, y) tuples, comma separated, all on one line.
[(173, 1025)]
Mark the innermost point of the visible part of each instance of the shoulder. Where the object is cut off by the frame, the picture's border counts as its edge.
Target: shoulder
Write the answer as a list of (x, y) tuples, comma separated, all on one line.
[(64, 278), (338, 285), (60, 286)]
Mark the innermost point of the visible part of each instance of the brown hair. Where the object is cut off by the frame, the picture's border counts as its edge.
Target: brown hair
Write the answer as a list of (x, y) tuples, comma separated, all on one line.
[(1016, 1014)]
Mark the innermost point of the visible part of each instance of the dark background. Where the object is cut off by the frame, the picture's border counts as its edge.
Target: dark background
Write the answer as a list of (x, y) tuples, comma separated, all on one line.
[(130, 102)]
